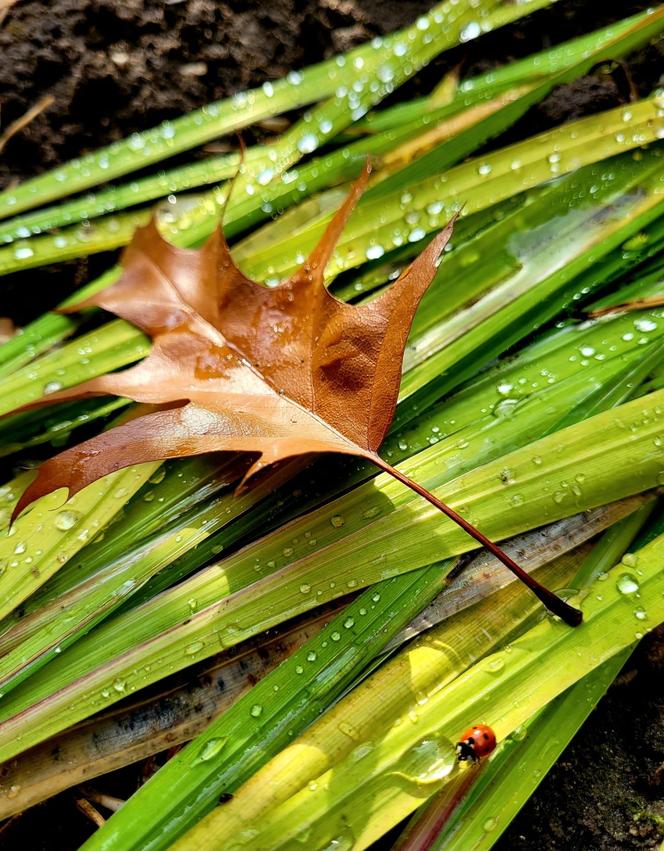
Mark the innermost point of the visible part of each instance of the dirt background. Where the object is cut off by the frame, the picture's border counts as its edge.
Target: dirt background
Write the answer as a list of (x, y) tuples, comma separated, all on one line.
[(117, 66)]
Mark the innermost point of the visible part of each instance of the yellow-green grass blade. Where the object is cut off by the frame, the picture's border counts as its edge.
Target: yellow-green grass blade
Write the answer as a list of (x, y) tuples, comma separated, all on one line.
[(539, 65), (536, 744), (183, 708), (342, 164), (474, 813), (404, 764), (61, 621), (470, 91), (95, 353), (47, 536), (52, 425), (444, 24), (194, 787), (610, 354), (421, 670), (552, 478), (450, 151), (512, 390), (475, 185), (614, 185), (456, 185), (29, 644)]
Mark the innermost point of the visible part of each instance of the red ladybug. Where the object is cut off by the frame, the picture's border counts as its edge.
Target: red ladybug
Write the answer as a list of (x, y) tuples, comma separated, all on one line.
[(476, 742)]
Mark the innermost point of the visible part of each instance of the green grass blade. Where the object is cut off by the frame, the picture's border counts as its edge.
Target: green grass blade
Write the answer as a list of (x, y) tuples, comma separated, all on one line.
[(542, 64), (476, 817), (103, 350), (370, 795), (48, 627), (450, 152), (43, 539), (298, 89), (33, 428), (285, 701), (71, 615), (572, 476), (316, 128), (534, 744)]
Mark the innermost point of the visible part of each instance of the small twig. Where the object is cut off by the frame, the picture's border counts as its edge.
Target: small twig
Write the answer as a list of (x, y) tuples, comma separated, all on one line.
[(627, 306), (91, 812), (9, 823), (18, 125), (108, 802)]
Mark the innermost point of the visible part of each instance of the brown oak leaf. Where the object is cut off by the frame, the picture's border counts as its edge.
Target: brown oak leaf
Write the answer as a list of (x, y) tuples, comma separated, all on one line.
[(277, 372)]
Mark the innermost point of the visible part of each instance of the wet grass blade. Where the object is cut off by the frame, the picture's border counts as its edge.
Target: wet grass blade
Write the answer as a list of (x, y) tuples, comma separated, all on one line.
[(501, 789), (183, 710), (163, 820), (99, 351), (471, 91), (446, 21), (407, 763), (45, 538), (528, 70), (29, 644), (502, 503)]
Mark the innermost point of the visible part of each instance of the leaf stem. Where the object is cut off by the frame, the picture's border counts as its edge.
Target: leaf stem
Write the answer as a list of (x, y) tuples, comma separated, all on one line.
[(553, 603)]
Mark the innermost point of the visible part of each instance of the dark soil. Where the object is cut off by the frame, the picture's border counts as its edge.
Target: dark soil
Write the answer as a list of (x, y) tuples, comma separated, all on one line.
[(116, 66)]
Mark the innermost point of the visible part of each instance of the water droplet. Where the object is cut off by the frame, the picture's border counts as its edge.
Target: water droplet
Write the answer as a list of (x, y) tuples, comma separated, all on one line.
[(494, 664), (157, 476), (265, 176), (342, 841), (489, 824), (194, 648), (427, 762), (470, 31), (627, 584), (211, 748), (311, 656), (52, 387), (337, 521), (349, 623), (644, 324), (307, 143), (505, 408), (373, 252), (67, 519), (256, 710), (119, 685)]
